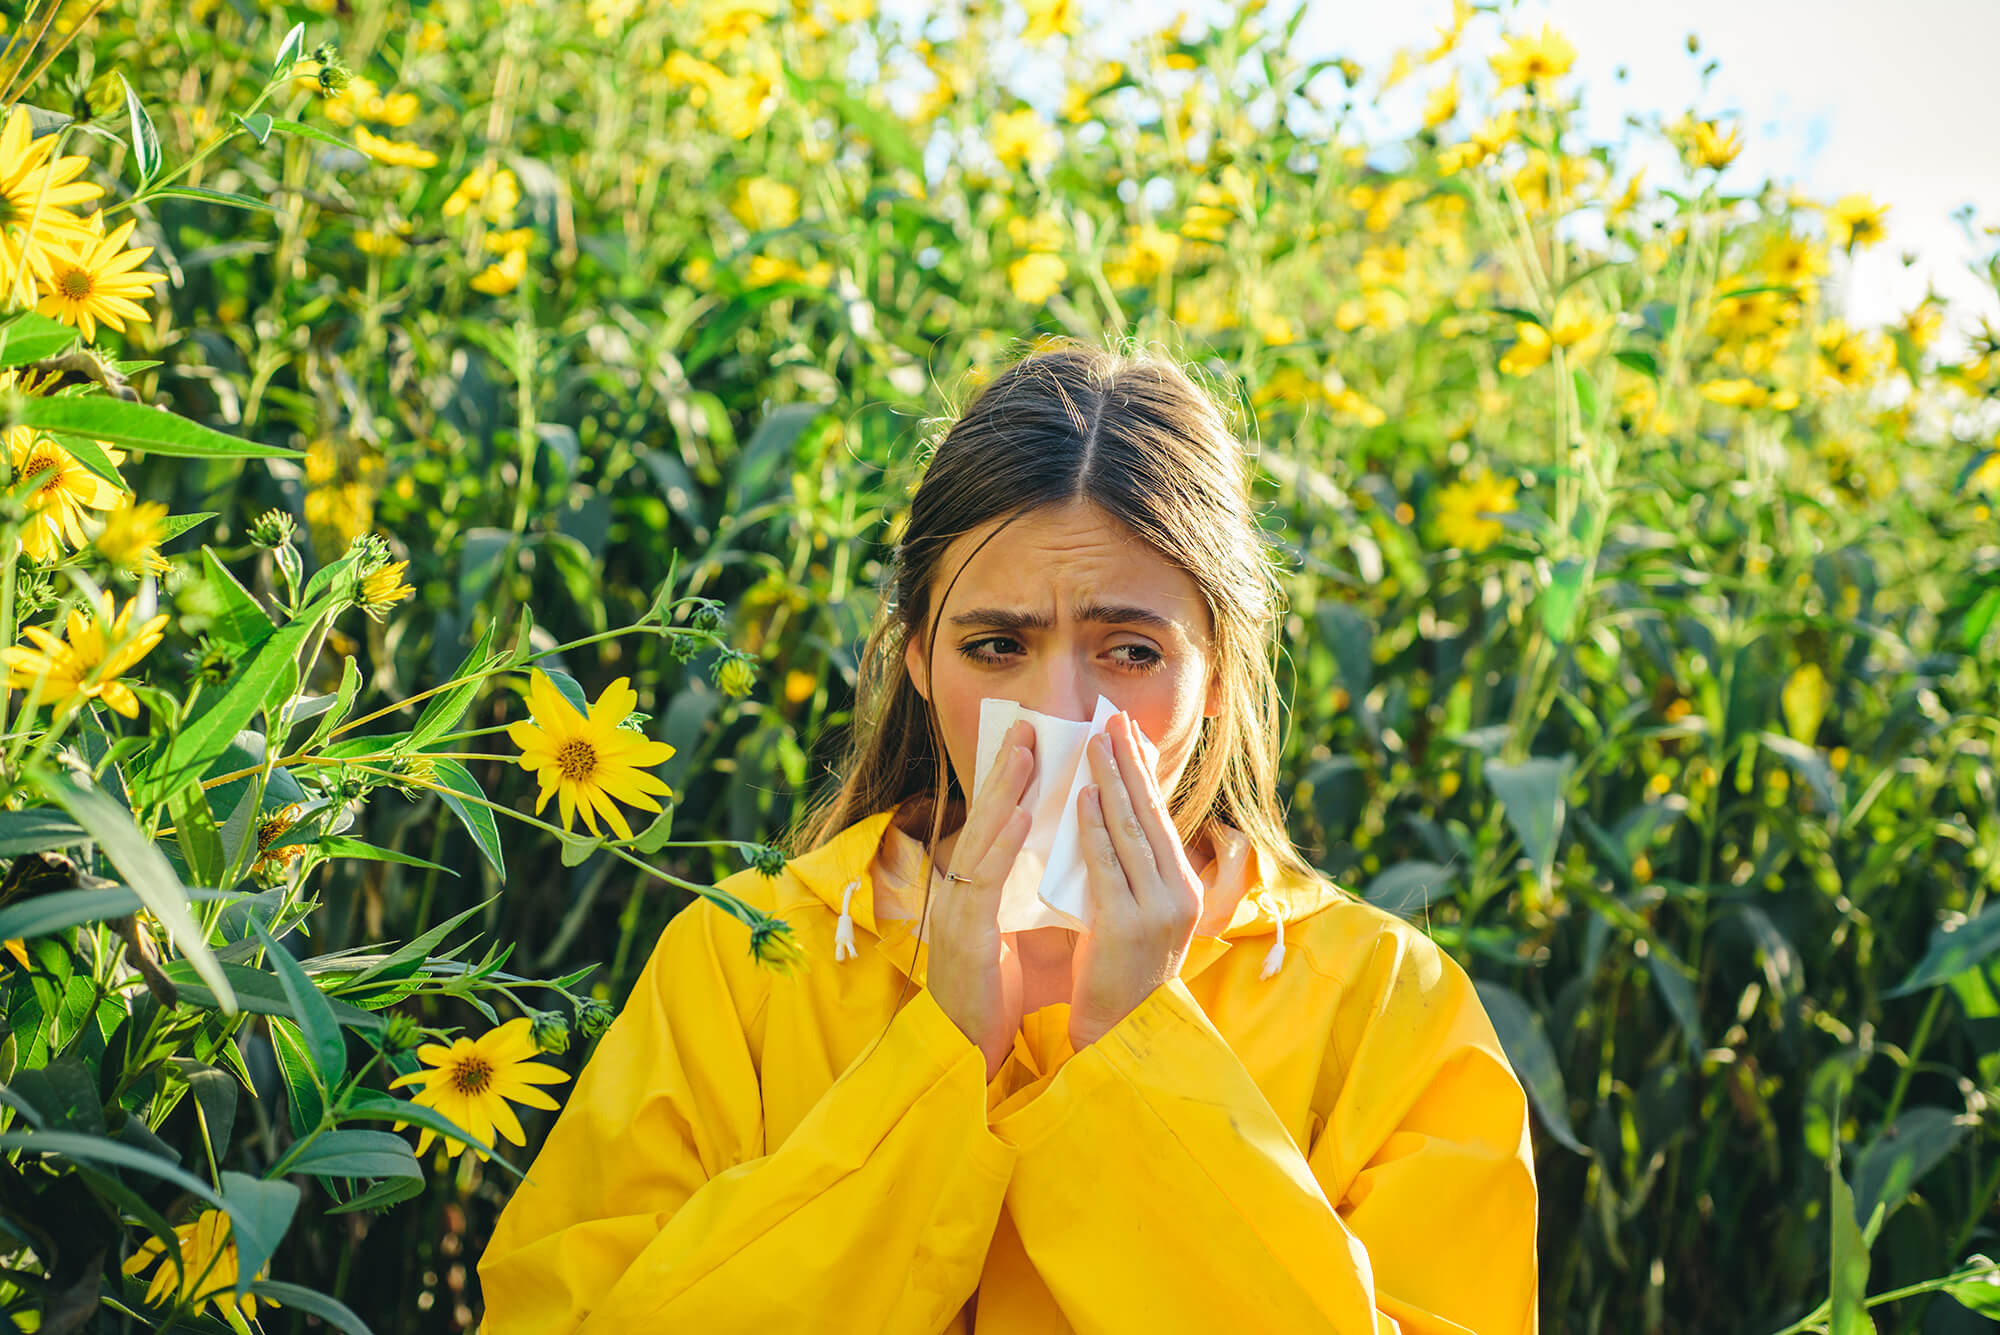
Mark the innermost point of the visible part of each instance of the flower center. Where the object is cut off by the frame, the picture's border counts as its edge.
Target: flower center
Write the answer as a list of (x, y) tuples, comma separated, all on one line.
[(43, 468), (577, 759), (472, 1076), (75, 284)]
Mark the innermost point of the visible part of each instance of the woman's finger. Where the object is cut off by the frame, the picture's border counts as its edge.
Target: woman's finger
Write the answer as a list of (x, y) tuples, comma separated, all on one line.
[(998, 797), (1144, 790), (1121, 818), (1103, 875)]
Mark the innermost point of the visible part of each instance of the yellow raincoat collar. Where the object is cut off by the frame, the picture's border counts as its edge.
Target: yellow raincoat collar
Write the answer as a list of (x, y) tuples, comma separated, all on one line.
[(1264, 896)]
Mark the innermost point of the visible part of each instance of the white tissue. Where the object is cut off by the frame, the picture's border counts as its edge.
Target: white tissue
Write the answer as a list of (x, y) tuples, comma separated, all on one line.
[(1047, 886)]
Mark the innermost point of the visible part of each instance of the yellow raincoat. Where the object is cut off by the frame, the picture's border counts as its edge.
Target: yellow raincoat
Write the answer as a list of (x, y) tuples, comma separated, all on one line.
[(1312, 1129)]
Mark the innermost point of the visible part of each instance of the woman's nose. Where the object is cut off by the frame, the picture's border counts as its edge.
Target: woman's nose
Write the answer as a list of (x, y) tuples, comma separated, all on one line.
[(1063, 690)]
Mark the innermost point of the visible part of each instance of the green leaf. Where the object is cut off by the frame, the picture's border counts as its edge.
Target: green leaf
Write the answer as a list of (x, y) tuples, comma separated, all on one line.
[(443, 711), (1561, 599), (225, 197), (37, 831), (260, 1212), (1849, 1271), (315, 1015), (1979, 620), (30, 337), (1586, 396), (134, 426), (313, 1303), (145, 139), (1526, 1044), (341, 846), (1952, 951), (390, 1191), (258, 123), (194, 830), (1670, 976), (305, 1105), (456, 784), (289, 50), (43, 914), (145, 870), (100, 1149), (1409, 887), (1645, 363), (297, 130), (357, 1154), (343, 701), (417, 950), (1810, 765), (174, 525), (204, 738), (92, 456), (1980, 1293), (1901, 1154), (241, 620), (1531, 793), (261, 994)]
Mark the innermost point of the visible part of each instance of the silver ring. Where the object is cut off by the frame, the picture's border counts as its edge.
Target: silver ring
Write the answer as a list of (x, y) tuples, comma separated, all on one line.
[(954, 876)]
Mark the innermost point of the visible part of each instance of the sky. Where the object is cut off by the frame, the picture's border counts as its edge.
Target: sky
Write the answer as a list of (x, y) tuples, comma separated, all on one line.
[(1897, 102), (1833, 96)]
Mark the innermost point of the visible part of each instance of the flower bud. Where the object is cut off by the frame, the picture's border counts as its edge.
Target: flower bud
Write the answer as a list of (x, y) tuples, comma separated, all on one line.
[(273, 528), (399, 1033), (707, 615), (593, 1017), (735, 673), (767, 860), (774, 943), (683, 648), (549, 1031)]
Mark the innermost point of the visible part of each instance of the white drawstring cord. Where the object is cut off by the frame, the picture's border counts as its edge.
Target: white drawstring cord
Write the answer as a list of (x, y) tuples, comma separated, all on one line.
[(843, 931), (1274, 959)]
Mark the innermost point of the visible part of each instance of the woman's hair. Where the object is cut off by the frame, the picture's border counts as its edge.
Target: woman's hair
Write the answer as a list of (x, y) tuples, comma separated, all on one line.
[(1134, 436)]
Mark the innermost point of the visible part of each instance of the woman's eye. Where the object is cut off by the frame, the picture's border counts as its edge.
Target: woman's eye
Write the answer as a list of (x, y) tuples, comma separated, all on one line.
[(992, 649), (1144, 656)]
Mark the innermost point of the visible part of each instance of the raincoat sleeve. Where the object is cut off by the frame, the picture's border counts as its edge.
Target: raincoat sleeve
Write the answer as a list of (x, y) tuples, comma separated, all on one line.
[(657, 1205), (1157, 1189)]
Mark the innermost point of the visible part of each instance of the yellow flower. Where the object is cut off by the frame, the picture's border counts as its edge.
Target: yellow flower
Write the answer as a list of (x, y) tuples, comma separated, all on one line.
[(1534, 60), (1848, 356), (496, 193), (36, 195), (272, 861), (393, 152), (1051, 18), (89, 665), (1923, 323), (92, 279), (1464, 511), (503, 239), (1735, 393), (728, 24), (503, 275), (64, 491), (764, 205), (1804, 699), (587, 760), (1023, 137), (1485, 143), (383, 589), (800, 686), (1146, 253), (1441, 104), (1530, 350), (1037, 277), (1856, 220), (608, 16), (1042, 232), (205, 1273), (739, 104), (1710, 148), (473, 1081), (1794, 261), (132, 534)]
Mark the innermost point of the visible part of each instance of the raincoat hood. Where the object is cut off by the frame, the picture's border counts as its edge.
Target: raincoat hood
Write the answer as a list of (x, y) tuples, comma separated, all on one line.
[(1245, 894)]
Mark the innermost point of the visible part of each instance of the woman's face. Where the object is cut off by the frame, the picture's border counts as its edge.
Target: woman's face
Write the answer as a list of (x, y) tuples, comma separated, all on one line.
[(1064, 605)]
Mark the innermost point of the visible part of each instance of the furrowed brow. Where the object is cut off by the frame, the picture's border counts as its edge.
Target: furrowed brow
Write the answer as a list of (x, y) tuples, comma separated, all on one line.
[(999, 618), (1124, 614)]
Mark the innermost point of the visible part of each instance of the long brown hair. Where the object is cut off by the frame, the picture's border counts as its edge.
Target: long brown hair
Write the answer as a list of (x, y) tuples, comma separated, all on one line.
[(1131, 433)]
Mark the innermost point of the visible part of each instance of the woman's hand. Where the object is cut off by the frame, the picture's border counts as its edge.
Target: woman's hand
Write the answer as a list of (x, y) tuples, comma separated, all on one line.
[(1144, 898), (974, 974)]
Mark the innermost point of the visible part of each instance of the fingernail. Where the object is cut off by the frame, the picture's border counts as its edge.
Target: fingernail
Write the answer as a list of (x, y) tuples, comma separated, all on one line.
[(1092, 805)]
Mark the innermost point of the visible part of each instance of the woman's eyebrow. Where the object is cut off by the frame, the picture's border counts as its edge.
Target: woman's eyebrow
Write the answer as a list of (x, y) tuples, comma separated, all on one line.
[(1109, 614)]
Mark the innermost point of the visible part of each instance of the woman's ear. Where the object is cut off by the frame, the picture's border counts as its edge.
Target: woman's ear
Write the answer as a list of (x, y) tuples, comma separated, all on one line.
[(913, 663)]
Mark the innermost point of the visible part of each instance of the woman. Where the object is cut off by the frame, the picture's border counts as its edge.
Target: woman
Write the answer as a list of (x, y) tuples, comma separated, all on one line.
[(1243, 1100)]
